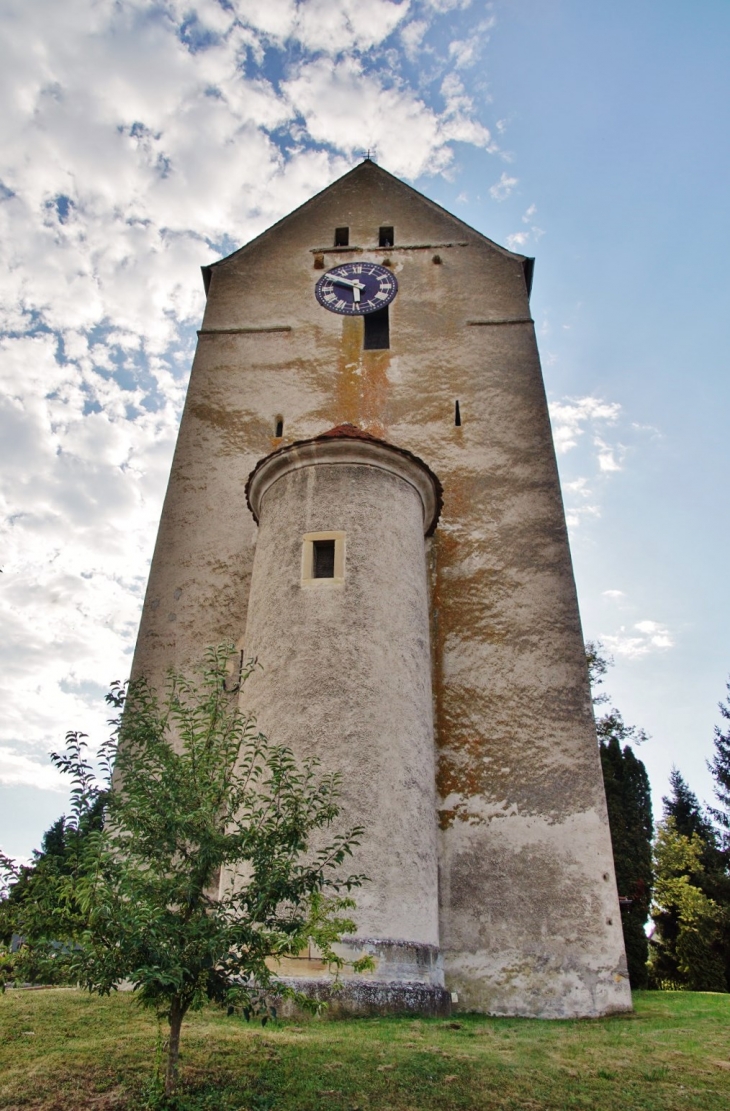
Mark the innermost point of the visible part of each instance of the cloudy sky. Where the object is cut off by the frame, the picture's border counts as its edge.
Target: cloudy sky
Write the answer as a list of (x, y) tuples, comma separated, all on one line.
[(141, 139)]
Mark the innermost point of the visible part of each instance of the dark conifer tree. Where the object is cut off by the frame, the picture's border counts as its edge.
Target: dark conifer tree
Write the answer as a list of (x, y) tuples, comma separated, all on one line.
[(628, 798), (689, 816), (720, 768)]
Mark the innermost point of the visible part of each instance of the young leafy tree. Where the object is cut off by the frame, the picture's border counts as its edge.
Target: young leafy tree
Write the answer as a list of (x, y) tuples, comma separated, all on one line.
[(628, 799), (214, 859), (687, 946), (691, 942)]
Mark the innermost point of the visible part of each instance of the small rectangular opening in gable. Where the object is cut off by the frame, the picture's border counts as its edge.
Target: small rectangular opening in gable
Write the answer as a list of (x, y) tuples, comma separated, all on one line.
[(342, 237), (377, 330), (386, 237), (323, 559)]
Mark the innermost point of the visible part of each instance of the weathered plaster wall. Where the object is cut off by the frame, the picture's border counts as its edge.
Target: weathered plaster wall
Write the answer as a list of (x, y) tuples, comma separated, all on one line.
[(522, 806)]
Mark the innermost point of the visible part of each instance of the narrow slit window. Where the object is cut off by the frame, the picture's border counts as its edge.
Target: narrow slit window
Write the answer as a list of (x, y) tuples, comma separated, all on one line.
[(342, 237), (323, 559), (386, 237), (457, 415), (280, 426), (377, 330)]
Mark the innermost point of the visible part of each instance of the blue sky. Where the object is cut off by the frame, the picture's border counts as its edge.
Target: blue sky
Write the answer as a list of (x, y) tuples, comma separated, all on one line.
[(141, 140)]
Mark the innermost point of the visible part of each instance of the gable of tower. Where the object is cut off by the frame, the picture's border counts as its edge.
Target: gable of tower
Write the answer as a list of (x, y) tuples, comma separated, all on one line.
[(449, 268), (338, 208)]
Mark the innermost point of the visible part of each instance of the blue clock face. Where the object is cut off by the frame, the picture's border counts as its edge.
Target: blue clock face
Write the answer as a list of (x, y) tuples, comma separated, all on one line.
[(356, 288)]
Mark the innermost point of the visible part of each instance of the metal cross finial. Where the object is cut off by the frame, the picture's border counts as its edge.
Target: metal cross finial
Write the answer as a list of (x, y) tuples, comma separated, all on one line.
[(369, 155)]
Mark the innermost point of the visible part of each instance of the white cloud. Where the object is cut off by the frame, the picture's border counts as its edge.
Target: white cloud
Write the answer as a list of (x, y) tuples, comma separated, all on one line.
[(613, 594), (352, 109), (578, 506), (639, 640), (17, 769), (517, 239), (521, 238), (607, 460), (447, 5), (502, 189), (570, 416), (319, 25), (412, 36), (575, 514), (465, 52)]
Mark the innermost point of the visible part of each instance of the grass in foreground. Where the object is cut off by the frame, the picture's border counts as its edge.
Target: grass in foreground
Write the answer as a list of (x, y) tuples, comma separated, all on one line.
[(62, 1050)]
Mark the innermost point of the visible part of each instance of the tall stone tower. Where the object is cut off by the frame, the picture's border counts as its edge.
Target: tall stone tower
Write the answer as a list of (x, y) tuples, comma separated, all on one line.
[(364, 494)]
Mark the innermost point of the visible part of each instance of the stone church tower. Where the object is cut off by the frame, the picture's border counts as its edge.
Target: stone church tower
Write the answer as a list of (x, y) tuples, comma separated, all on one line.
[(364, 495)]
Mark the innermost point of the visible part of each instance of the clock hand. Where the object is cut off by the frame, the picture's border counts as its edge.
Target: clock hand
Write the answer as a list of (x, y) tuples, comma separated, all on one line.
[(347, 282), (354, 286)]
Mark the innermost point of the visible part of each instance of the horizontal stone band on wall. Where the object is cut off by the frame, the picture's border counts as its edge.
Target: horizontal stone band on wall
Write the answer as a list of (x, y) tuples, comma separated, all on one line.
[(384, 250), (492, 323), (243, 331)]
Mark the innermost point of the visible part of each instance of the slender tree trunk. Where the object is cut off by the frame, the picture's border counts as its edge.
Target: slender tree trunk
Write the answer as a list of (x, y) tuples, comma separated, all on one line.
[(177, 1014)]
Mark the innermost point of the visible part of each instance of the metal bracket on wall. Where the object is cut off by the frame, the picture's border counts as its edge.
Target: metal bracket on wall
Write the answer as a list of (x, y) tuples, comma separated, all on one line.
[(234, 690)]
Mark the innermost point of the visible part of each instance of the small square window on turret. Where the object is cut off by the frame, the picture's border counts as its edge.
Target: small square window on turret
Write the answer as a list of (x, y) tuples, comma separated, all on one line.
[(386, 237), (342, 237), (323, 558)]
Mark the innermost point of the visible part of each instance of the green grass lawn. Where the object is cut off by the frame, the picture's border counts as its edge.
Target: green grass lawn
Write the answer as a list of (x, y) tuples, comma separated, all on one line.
[(61, 1049)]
